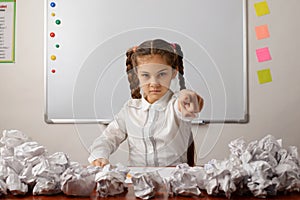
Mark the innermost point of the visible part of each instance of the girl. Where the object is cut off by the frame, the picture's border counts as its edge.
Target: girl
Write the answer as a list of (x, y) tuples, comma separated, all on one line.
[(156, 122)]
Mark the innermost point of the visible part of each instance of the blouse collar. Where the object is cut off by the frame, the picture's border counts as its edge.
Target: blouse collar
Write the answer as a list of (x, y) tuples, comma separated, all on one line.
[(160, 104)]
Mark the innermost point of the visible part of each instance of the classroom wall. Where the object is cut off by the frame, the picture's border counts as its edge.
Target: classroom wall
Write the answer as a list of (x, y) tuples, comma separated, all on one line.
[(273, 107)]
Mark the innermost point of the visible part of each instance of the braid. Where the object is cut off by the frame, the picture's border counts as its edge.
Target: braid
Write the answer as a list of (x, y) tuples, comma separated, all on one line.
[(132, 77), (179, 64)]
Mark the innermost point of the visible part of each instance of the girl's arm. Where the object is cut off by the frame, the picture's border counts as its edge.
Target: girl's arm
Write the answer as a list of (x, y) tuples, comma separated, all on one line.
[(108, 142), (189, 103)]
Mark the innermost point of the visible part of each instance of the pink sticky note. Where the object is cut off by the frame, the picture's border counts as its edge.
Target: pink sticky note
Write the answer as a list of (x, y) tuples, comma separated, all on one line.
[(263, 54), (262, 32)]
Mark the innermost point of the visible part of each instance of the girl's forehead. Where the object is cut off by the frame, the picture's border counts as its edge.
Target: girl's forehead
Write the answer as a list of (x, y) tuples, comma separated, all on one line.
[(153, 67), (148, 59)]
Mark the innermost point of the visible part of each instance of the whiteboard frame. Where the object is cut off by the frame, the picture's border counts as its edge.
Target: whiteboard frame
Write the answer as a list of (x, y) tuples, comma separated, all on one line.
[(107, 121)]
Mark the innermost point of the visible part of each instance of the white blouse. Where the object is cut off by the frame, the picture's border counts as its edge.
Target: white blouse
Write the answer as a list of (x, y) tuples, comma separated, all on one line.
[(157, 134)]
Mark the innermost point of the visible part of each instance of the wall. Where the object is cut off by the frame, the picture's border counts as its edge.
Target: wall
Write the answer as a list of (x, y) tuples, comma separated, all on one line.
[(273, 107)]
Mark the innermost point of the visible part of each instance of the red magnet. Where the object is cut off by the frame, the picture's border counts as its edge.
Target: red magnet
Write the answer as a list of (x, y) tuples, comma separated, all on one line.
[(52, 34)]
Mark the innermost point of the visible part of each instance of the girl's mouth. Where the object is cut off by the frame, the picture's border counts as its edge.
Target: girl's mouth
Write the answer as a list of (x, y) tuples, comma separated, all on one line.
[(154, 91)]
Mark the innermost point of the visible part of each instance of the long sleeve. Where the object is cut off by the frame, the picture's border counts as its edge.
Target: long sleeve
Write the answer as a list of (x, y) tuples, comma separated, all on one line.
[(111, 138)]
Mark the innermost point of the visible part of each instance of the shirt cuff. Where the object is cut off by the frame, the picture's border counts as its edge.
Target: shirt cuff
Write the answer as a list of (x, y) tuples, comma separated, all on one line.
[(97, 154)]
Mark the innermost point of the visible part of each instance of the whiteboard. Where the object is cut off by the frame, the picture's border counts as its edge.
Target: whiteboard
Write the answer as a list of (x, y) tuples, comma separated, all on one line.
[(86, 41)]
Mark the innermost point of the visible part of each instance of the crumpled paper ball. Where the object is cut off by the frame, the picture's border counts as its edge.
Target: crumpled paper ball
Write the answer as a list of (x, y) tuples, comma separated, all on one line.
[(15, 185), (111, 180), (48, 172), (182, 182), (146, 184), (78, 180), (3, 188), (25, 165), (261, 168)]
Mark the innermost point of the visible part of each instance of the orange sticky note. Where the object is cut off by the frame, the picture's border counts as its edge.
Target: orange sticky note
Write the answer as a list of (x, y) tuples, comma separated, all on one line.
[(261, 8), (263, 54), (262, 32), (264, 76)]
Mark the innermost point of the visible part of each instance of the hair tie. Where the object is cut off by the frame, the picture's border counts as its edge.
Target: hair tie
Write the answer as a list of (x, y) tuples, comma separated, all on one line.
[(134, 49), (173, 45)]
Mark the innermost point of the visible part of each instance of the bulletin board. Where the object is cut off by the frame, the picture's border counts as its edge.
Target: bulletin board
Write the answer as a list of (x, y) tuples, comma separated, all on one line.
[(86, 41), (7, 30)]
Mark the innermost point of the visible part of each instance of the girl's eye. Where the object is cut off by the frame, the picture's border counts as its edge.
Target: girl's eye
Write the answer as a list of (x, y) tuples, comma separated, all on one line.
[(162, 74), (144, 75)]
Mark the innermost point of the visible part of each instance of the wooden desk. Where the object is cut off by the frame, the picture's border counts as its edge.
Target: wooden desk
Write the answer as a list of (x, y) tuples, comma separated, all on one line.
[(130, 195)]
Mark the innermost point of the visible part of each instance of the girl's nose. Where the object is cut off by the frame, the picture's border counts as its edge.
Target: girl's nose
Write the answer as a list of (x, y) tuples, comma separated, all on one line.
[(154, 81)]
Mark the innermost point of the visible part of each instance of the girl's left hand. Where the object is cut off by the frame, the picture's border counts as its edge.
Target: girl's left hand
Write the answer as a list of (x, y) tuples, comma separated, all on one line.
[(189, 103)]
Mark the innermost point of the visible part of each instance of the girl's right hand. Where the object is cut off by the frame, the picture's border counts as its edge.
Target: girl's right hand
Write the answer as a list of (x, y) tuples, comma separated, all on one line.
[(101, 162), (189, 103)]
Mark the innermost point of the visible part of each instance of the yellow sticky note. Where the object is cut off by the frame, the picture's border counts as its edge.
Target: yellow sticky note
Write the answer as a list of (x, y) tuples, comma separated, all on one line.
[(261, 8), (264, 76), (262, 32)]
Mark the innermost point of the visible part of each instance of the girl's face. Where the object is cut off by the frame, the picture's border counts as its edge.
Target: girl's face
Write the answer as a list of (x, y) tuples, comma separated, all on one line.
[(155, 76)]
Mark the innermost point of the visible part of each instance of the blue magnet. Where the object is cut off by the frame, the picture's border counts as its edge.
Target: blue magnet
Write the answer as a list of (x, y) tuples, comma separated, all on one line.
[(52, 4)]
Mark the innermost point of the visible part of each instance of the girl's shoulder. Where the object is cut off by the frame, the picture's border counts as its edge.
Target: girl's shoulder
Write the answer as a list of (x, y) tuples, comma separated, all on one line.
[(134, 103)]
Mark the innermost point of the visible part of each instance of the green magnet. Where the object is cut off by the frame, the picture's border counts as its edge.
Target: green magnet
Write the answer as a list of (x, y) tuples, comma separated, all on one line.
[(58, 22)]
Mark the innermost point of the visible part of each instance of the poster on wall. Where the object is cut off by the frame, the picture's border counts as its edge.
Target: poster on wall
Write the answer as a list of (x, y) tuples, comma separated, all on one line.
[(7, 31)]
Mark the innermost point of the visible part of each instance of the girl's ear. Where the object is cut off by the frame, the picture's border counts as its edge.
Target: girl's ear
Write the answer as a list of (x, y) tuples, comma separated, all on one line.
[(174, 73)]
